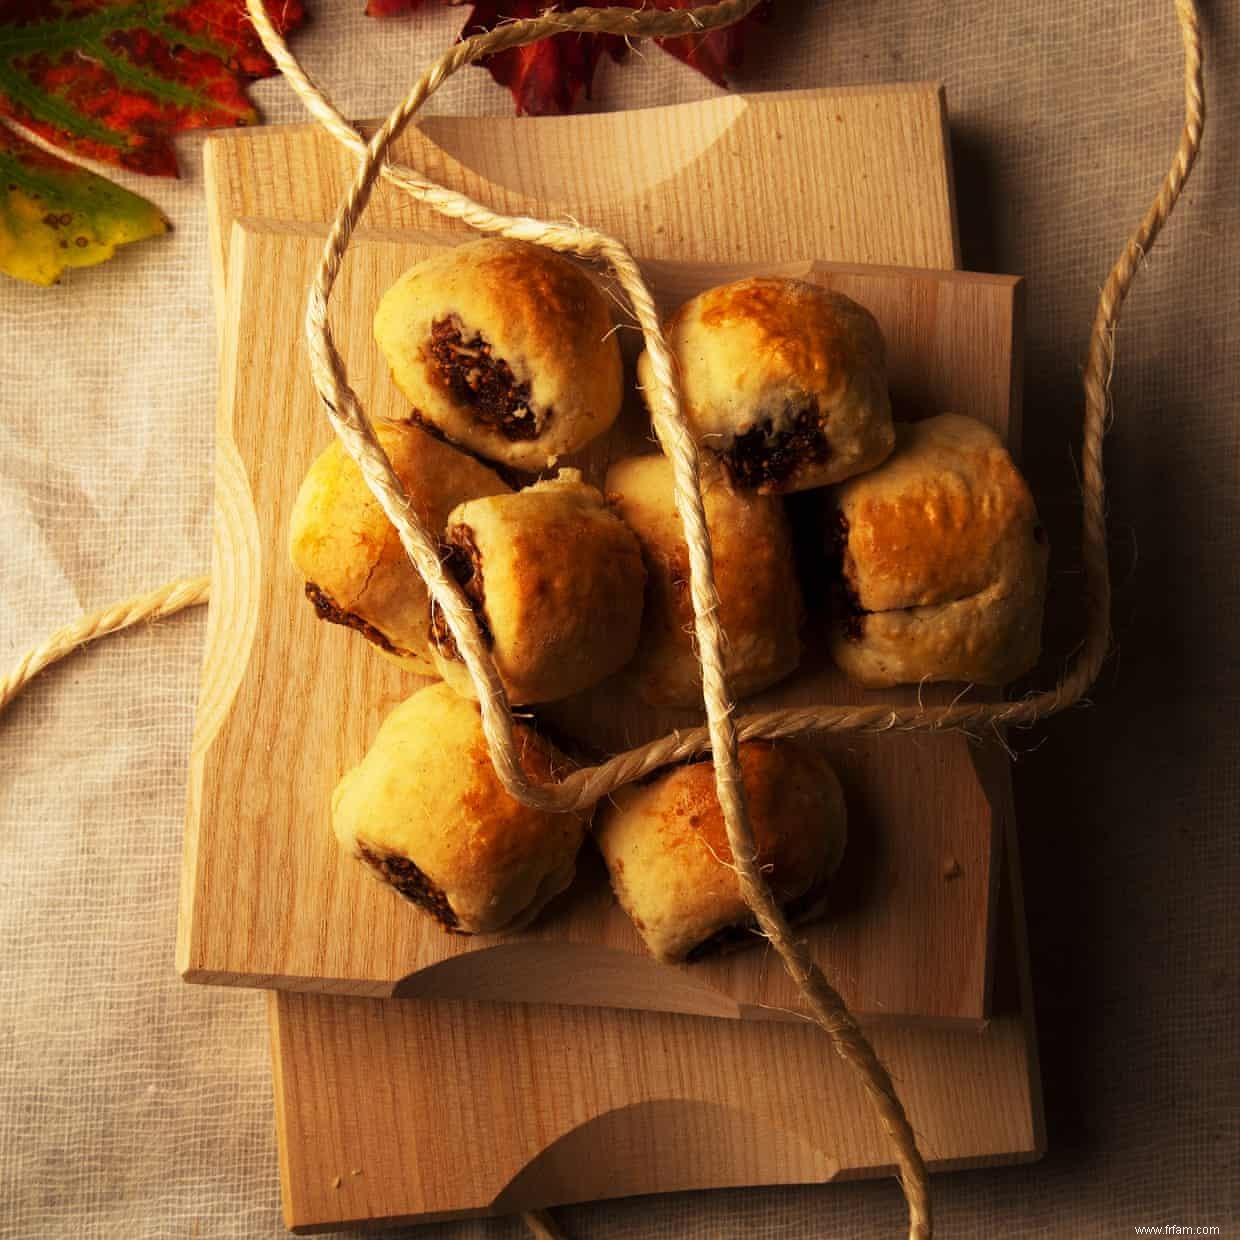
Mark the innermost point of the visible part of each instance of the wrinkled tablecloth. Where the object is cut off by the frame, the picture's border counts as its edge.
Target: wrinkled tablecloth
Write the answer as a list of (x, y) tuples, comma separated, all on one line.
[(133, 1106)]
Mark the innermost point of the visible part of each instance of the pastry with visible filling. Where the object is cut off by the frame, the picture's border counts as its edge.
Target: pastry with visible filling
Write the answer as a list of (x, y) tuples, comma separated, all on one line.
[(425, 812), (356, 571), (555, 579), (759, 598), (941, 561), (506, 348), (667, 852), (784, 381)]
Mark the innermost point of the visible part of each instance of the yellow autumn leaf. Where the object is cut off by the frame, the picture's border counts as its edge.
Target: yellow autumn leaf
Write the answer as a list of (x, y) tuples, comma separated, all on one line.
[(55, 215)]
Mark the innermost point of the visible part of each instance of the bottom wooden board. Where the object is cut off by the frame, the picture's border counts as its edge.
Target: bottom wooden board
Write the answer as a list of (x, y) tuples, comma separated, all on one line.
[(420, 1110)]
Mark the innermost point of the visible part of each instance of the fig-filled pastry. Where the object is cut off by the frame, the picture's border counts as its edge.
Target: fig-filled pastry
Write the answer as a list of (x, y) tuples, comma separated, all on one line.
[(667, 852), (783, 381), (759, 598), (932, 557), (556, 581), (341, 542), (425, 812), (506, 348), (941, 561)]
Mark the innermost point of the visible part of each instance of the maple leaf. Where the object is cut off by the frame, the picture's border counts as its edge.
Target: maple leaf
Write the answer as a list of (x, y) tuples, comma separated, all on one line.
[(55, 214), (715, 53), (549, 76), (111, 80)]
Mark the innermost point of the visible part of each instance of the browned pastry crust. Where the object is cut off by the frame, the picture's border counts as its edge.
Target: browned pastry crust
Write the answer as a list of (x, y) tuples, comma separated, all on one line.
[(666, 847), (426, 813), (759, 598), (556, 580), (357, 573), (784, 381), (507, 348), (942, 562)]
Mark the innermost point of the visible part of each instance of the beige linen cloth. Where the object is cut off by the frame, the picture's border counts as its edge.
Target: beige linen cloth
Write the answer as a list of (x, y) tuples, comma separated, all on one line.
[(132, 1105)]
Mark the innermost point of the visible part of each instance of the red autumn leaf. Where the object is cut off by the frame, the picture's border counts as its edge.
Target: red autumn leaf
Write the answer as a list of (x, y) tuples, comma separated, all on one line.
[(716, 53), (550, 76), (112, 80), (547, 76)]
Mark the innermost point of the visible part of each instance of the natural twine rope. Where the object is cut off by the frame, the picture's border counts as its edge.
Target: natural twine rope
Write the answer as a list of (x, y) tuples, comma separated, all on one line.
[(722, 732), (157, 605), (541, 1225)]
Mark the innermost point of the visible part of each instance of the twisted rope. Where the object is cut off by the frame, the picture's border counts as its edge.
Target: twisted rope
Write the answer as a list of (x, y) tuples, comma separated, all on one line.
[(352, 425), (585, 786), (541, 1225), (169, 599)]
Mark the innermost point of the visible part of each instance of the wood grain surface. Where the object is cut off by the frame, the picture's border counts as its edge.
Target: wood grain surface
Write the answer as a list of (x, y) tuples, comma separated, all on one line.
[(344, 1104)]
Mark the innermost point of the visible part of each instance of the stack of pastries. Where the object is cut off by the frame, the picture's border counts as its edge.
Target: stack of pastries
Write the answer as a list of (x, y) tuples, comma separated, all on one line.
[(926, 541)]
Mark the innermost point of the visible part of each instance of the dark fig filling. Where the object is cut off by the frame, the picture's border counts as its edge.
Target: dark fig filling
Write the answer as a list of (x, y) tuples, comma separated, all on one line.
[(327, 609), (729, 938), (482, 381), (764, 455), (402, 874), (849, 614), (463, 561)]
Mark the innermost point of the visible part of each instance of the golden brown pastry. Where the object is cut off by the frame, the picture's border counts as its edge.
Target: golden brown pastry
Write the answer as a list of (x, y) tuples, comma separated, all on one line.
[(784, 381), (356, 571), (425, 812), (667, 850), (942, 561), (556, 580), (507, 348), (759, 598)]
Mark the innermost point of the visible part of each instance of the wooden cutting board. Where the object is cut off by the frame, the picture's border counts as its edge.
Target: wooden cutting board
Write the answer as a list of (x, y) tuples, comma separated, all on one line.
[(289, 704), (352, 1076)]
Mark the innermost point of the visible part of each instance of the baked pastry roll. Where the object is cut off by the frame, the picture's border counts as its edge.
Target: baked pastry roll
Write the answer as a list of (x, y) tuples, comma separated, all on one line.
[(356, 571), (942, 562), (507, 348), (667, 851), (426, 813), (556, 581), (759, 598), (784, 381)]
